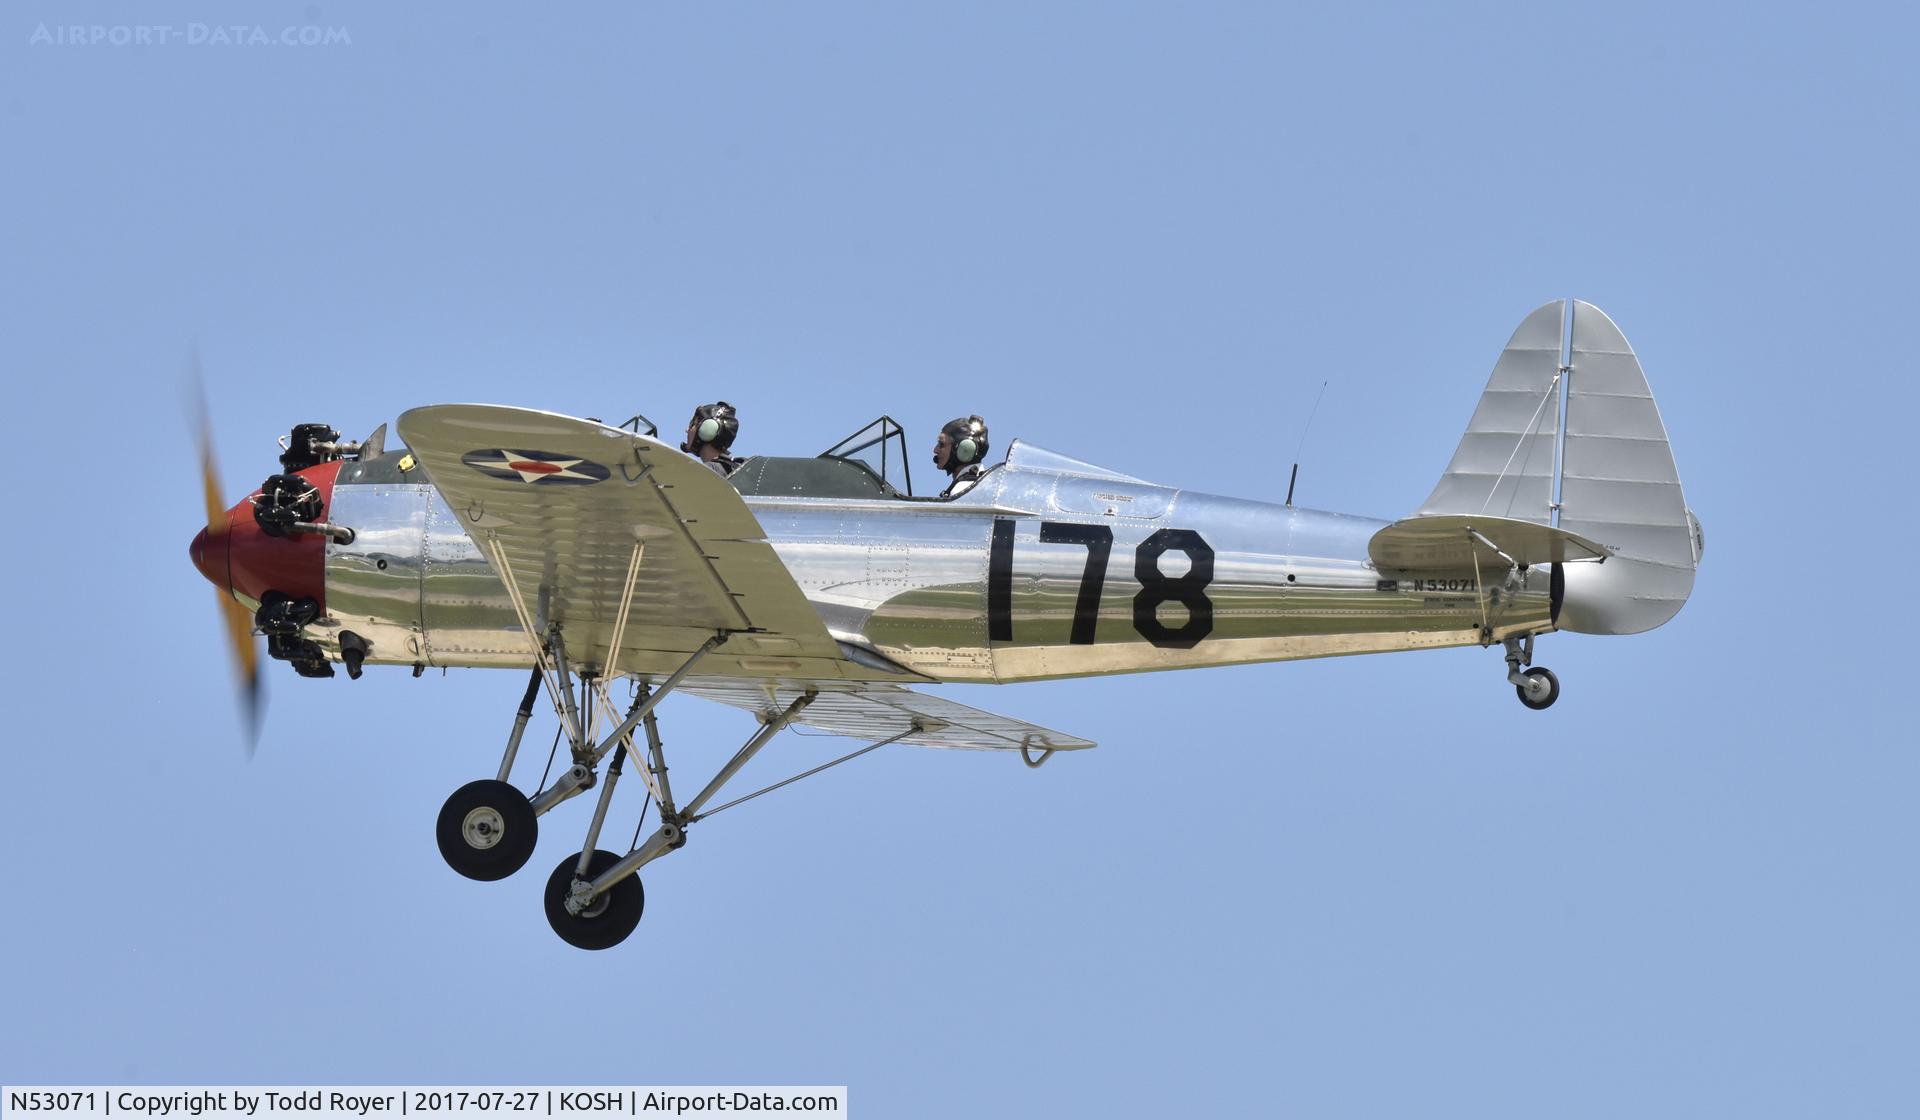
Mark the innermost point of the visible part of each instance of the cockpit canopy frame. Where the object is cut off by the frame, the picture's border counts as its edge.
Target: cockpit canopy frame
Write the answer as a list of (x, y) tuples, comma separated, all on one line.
[(886, 434)]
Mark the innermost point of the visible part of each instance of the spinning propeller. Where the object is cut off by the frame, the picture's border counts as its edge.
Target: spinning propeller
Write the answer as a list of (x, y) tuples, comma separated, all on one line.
[(209, 552)]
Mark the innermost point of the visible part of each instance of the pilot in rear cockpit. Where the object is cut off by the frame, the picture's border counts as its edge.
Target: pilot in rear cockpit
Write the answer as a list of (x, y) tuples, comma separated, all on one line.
[(710, 436), (958, 451)]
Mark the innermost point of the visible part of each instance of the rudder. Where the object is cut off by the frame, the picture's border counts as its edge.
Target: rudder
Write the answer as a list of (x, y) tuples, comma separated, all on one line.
[(1619, 484)]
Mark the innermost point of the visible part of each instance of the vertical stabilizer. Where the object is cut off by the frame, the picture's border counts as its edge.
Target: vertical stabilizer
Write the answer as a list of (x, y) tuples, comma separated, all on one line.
[(1504, 464), (1612, 468)]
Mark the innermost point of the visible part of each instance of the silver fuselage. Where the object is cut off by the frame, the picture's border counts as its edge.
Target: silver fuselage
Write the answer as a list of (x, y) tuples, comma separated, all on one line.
[(1047, 568)]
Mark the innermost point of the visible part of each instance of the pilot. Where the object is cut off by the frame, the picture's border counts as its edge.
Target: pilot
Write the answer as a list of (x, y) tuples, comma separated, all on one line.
[(958, 451), (710, 435)]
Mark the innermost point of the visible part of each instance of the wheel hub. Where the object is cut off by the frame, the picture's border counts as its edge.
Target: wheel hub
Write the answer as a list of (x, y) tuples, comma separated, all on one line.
[(483, 828), (583, 903)]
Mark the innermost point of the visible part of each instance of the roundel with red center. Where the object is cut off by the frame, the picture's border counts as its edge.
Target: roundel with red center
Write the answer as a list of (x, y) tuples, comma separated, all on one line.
[(536, 468)]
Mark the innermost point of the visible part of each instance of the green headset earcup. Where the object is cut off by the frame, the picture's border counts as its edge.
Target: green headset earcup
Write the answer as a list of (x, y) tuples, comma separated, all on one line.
[(966, 450), (708, 430)]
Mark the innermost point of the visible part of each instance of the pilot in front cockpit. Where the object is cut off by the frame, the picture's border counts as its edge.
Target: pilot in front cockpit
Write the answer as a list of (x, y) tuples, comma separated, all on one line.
[(958, 451), (710, 436)]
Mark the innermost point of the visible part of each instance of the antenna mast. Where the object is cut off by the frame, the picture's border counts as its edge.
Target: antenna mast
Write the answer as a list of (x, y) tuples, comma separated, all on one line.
[(1295, 476)]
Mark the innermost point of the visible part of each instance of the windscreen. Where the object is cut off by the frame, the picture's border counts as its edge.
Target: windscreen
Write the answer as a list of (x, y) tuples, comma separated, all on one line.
[(882, 447)]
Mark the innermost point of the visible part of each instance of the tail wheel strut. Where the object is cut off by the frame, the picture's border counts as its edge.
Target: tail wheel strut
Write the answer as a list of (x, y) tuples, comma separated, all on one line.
[(1538, 688)]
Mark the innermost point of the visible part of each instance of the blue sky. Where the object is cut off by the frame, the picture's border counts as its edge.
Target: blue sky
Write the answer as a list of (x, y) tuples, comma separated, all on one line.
[(1139, 235)]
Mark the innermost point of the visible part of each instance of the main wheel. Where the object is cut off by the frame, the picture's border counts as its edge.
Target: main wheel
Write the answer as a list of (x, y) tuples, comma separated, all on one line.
[(610, 918), (487, 830), (1540, 691)]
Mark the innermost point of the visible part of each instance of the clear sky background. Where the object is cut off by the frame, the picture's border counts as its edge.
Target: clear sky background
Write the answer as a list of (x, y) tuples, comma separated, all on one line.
[(1139, 235)]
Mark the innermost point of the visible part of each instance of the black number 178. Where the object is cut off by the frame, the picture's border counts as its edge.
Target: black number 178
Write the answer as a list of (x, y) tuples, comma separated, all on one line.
[(1188, 589)]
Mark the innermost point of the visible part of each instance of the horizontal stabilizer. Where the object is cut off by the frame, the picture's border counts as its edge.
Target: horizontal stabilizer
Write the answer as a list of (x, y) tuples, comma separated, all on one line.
[(1454, 543), (883, 711)]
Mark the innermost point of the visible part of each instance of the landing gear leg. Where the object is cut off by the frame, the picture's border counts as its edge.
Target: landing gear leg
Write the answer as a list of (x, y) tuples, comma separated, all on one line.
[(594, 899), (487, 829), (583, 919), (1538, 687)]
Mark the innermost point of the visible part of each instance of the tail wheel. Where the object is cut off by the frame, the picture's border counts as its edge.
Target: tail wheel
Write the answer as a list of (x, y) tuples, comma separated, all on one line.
[(1540, 691), (487, 830), (608, 919)]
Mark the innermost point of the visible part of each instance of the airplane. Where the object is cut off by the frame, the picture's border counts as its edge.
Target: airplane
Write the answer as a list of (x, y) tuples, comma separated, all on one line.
[(820, 591)]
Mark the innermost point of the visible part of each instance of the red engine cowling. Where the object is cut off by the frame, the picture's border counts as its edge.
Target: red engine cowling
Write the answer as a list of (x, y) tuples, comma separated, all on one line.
[(242, 559)]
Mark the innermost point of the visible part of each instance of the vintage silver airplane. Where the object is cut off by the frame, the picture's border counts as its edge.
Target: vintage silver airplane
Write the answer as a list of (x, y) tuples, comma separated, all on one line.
[(817, 592)]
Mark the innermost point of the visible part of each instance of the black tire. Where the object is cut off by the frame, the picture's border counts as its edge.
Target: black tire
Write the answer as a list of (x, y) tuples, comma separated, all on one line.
[(1553, 690), (613, 915), (487, 830)]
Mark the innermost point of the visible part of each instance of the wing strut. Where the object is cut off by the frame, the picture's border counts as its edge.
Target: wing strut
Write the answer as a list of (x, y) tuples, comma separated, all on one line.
[(745, 754), (594, 898), (586, 755), (551, 666), (626, 604), (1480, 587), (810, 773), (541, 662), (672, 831)]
